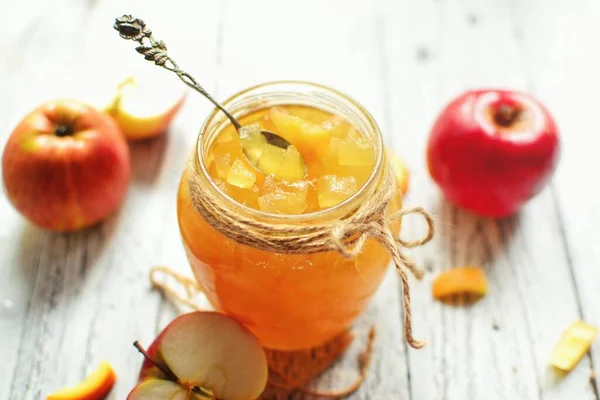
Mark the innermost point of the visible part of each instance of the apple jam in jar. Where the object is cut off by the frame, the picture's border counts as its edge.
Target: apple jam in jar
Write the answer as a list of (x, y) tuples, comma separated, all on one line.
[(289, 301)]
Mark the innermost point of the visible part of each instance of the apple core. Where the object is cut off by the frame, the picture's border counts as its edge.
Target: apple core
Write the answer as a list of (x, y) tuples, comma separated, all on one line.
[(506, 115)]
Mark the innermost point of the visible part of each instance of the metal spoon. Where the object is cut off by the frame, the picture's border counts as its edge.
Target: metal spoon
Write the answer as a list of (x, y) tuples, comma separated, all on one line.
[(135, 29)]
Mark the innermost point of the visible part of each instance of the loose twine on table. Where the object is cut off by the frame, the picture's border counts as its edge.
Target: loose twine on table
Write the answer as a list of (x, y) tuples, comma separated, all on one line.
[(347, 236)]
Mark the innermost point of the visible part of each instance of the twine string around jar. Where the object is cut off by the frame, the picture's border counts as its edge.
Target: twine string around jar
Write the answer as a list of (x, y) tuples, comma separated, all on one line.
[(347, 236)]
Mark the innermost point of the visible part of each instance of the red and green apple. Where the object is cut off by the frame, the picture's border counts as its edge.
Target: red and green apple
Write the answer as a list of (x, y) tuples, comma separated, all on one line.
[(66, 166)]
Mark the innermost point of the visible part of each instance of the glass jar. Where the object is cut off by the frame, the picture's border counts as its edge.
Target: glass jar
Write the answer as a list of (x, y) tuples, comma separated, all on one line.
[(289, 301)]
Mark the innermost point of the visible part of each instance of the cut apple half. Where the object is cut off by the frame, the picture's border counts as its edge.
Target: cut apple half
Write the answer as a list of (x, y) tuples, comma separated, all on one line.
[(204, 354)]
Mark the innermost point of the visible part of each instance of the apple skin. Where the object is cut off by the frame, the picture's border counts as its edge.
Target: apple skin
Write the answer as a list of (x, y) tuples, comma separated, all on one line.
[(66, 181), (144, 104), (490, 151), (137, 129), (149, 370)]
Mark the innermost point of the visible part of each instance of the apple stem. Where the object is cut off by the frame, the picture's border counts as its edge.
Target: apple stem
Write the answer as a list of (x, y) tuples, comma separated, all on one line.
[(507, 115), (162, 368)]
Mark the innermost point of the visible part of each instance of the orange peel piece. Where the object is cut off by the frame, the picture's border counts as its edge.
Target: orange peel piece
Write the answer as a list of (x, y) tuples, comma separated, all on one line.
[(462, 280), (95, 387), (573, 345), (401, 171)]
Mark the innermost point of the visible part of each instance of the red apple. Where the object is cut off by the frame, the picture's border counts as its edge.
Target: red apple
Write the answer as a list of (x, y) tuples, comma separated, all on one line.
[(66, 166), (490, 151), (203, 353)]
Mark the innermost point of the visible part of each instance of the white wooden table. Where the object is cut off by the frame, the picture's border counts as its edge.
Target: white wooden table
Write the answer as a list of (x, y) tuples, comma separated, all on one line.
[(69, 300)]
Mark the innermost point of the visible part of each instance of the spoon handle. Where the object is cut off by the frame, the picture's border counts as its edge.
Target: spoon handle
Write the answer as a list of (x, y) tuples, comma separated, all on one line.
[(135, 29)]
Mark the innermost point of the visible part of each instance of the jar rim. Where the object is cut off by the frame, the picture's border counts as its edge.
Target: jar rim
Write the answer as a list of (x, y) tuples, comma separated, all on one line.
[(367, 186)]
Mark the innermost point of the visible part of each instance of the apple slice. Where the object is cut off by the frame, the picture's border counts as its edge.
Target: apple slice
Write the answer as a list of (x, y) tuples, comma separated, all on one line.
[(204, 353), (95, 386), (144, 105)]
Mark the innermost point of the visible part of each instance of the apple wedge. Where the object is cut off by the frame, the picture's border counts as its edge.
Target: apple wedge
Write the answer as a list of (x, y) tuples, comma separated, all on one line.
[(95, 387), (144, 106), (203, 355)]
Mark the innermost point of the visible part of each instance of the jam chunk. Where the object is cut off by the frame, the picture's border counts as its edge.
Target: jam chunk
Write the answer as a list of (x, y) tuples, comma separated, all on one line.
[(336, 126), (241, 175), (334, 189), (355, 152), (222, 165), (283, 164), (281, 202), (359, 169), (282, 197), (253, 142), (309, 138)]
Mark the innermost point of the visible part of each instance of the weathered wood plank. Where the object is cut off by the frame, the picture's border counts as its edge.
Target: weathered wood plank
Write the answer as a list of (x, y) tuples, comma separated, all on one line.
[(37, 39), (561, 52), (498, 348), (67, 301)]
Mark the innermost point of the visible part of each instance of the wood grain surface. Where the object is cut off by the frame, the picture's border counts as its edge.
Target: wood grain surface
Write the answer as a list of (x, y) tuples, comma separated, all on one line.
[(68, 301)]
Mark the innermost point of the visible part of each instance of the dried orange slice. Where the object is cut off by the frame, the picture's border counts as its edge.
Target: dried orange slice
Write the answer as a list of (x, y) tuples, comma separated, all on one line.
[(96, 386), (462, 280), (573, 345)]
